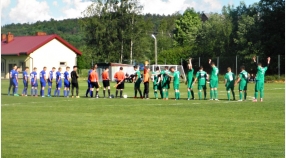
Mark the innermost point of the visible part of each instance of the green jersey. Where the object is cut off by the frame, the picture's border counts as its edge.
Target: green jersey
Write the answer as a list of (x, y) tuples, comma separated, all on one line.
[(214, 73), (155, 77), (230, 77), (243, 75), (201, 76), (190, 75), (261, 73), (164, 76), (138, 74), (176, 76)]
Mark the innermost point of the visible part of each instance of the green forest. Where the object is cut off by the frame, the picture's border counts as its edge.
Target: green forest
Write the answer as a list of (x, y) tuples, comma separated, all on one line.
[(118, 32)]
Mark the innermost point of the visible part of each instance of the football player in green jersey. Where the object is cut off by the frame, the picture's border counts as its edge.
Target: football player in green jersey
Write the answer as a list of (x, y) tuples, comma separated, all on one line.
[(165, 82), (176, 82), (201, 76), (259, 83), (137, 82), (243, 80), (190, 80), (156, 80), (213, 81), (229, 83)]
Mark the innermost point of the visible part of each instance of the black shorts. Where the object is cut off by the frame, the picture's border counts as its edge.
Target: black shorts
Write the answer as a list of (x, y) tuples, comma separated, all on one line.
[(94, 84), (121, 85), (74, 85), (105, 83)]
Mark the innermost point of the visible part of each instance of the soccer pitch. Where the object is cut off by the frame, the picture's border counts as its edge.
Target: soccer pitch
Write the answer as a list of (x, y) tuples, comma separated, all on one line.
[(85, 127)]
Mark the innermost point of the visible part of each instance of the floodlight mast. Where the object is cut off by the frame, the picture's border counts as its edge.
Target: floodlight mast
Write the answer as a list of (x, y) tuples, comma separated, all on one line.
[(155, 48)]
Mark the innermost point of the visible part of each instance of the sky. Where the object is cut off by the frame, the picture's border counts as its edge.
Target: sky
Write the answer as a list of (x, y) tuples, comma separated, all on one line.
[(30, 11)]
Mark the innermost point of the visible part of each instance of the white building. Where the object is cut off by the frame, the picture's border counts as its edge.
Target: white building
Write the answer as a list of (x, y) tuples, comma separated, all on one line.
[(36, 51)]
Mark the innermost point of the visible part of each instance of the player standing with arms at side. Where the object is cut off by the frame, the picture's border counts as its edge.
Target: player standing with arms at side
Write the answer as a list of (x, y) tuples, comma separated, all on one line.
[(146, 79), (213, 81), (74, 82), (43, 81), (67, 82), (190, 80), (58, 82), (50, 81), (243, 80), (94, 82), (229, 83), (34, 83), (16, 82), (105, 81), (156, 81), (176, 82), (119, 78), (11, 80), (201, 76), (259, 84), (25, 82), (137, 82), (165, 82)]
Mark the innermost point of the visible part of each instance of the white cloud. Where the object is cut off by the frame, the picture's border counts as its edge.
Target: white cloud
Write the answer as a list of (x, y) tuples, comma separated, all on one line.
[(29, 11), (5, 3), (74, 8), (55, 3), (172, 6)]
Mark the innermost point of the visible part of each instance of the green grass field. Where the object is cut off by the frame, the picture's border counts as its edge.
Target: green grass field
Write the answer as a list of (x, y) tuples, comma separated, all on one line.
[(85, 127)]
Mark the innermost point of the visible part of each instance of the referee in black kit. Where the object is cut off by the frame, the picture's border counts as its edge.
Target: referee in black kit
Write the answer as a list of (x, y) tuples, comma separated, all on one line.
[(74, 82)]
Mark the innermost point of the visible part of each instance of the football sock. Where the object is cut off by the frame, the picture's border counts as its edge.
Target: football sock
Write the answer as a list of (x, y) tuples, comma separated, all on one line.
[(121, 93), (245, 95), (91, 93), (192, 92), (42, 92), (200, 95), (108, 92), (140, 92), (49, 91), (167, 94), (179, 95), (211, 94), (16, 90), (261, 94), (162, 94), (228, 95), (103, 93), (176, 95), (189, 94), (68, 93), (240, 95), (256, 94), (36, 91), (65, 93), (116, 93), (87, 91), (135, 93), (215, 94), (156, 94), (58, 92), (205, 94), (233, 95), (96, 93)]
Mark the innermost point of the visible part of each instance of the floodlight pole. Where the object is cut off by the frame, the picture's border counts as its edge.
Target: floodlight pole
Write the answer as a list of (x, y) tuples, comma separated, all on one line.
[(155, 48)]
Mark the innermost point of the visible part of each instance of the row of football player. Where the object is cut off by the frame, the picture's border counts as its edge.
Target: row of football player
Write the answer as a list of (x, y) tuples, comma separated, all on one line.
[(69, 79), (161, 81)]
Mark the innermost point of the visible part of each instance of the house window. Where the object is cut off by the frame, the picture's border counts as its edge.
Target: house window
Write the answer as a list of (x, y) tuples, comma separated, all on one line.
[(22, 65), (2, 67), (63, 64)]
